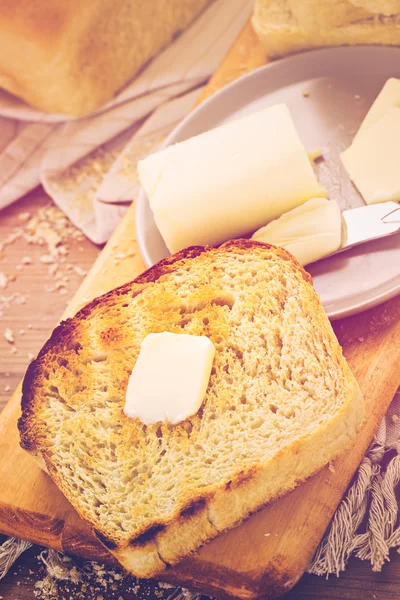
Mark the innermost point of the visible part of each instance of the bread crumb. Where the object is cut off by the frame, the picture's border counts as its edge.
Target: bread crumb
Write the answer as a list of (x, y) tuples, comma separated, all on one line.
[(267, 534), (395, 418), (12, 277), (30, 326), (9, 335), (46, 259), (3, 281), (52, 269), (360, 339), (30, 356), (26, 260), (10, 239), (305, 93), (331, 467), (24, 216), (7, 388), (13, 350), (79, 271), (357, 96)]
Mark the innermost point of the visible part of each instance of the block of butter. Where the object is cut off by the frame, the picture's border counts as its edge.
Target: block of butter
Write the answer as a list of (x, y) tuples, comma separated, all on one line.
[(372, 160), (228, 181), (170, 377), (309, 232), (389, 97)]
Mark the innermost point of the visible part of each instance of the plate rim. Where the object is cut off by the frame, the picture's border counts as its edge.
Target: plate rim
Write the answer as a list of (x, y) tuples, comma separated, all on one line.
[(196, 113)]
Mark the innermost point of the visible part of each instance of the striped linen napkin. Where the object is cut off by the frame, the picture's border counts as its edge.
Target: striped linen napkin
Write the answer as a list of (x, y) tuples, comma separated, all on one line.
[(88, 165)]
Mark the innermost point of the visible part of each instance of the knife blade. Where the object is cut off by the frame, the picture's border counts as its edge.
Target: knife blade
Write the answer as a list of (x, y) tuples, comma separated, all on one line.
[(367, 223)]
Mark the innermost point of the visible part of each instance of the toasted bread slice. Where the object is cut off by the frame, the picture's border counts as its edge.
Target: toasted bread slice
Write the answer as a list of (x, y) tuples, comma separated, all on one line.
[(280, 404)]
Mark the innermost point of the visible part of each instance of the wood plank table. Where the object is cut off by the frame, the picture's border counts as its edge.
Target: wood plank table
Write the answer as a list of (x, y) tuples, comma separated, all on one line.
[(34, 308)]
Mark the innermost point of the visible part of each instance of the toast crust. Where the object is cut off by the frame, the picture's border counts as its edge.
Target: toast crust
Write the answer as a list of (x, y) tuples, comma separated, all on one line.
[(200, 518)]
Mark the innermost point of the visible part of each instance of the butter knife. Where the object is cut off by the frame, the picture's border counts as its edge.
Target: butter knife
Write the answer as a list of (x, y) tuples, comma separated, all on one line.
[(367, 223)]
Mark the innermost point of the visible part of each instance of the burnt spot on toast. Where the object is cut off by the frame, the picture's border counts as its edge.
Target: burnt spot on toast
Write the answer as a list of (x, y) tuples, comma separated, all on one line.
[(193, 507), (147, 536), (241, 478), (110, 544)]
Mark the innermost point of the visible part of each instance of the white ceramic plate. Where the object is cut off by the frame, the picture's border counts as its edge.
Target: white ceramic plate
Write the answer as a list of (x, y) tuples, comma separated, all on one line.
[(328, 91)]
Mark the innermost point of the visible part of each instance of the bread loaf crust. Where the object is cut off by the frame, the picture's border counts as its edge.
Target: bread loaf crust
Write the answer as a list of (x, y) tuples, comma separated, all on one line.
[(72, 57), (218, 508), (281, 33)]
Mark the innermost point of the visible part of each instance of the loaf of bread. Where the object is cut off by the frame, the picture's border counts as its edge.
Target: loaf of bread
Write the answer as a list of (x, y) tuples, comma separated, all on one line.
[(281, 402), (71, 56), (379, 7), (326, 14), (288, 26)]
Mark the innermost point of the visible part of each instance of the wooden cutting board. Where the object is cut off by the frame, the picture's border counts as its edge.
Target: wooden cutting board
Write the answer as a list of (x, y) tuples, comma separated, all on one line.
[(267, 554)]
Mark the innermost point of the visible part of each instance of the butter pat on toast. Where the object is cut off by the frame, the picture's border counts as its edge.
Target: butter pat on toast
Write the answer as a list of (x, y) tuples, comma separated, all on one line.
[(281, 402)]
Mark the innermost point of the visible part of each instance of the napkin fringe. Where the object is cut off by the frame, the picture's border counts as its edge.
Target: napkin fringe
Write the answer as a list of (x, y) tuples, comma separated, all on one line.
[(364, 524), (10, 551)]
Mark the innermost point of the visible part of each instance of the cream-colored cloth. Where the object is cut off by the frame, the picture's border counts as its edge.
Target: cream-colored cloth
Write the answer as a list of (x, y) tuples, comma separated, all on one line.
[(88, 165), (367, 522)]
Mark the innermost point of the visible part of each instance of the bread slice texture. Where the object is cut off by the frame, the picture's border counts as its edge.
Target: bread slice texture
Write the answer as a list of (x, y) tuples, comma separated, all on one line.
[(282, 33), (280, 404)]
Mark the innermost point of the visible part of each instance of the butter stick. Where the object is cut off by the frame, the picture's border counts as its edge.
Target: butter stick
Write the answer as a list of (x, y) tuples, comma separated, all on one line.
[(229, 181), (389, 97), (309, 232), (372, 159)]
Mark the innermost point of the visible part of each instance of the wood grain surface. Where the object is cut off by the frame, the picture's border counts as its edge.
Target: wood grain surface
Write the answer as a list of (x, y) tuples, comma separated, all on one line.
[(244, 562)]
